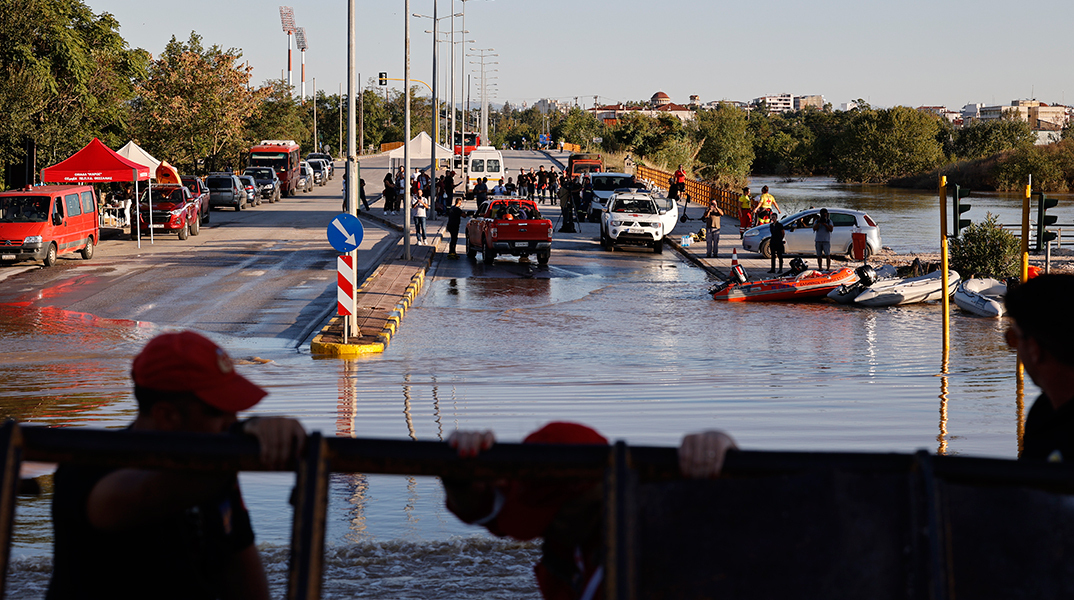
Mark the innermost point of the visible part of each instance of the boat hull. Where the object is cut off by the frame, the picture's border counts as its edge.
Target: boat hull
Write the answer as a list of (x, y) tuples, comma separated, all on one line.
[(908, 291), (812, 284), (982, 297)]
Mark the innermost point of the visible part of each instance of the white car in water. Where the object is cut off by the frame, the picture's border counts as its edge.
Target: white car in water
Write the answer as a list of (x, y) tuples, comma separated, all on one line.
[(633, 218)]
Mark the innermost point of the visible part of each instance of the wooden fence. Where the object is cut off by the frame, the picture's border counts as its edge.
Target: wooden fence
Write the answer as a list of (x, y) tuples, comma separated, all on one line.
[(698, 191)]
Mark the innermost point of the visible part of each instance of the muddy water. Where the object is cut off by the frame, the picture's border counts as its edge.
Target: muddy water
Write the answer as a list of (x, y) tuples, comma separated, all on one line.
[(643, 355)]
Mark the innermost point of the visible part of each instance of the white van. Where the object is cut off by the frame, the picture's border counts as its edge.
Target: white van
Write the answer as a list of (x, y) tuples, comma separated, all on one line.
[(485, 161)]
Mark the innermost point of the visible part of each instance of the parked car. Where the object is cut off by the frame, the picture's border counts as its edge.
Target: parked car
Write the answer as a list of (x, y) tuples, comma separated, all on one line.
[(604, 185), (305, 177), (174, 210), (253, 195), (509, 226), (225, 189), (320, 171), (268, 183), (326, 158), (632, 218), (799, 235), (45, 222), (200, 192)]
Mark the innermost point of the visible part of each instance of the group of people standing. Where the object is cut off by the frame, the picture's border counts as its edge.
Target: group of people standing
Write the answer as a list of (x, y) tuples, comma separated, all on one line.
[(540, 186)]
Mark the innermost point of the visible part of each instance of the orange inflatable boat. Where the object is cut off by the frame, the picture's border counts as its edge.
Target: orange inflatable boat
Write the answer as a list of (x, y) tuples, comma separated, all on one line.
[(805, 285)]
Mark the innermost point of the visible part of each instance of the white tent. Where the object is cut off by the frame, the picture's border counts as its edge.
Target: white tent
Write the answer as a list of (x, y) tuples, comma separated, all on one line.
[(421, 152), (135, 153)]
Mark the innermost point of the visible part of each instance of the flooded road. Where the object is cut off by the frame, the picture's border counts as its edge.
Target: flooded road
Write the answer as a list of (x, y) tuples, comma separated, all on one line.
[(628, 342)]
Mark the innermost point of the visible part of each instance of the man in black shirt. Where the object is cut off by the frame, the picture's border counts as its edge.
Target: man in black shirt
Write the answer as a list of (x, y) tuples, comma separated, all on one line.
[(454, 219), (1042, 332), (140, 533)]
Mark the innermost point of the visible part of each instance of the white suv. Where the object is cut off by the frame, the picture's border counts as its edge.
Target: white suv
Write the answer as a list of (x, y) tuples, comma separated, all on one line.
[(632, 218)]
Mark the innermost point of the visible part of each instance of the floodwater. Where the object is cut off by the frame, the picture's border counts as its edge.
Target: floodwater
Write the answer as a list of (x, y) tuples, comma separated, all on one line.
[(908, 219), (642, 353)]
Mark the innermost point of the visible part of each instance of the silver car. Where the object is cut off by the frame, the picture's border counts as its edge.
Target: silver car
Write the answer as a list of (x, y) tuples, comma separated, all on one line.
[(604, 184), (799, 235)]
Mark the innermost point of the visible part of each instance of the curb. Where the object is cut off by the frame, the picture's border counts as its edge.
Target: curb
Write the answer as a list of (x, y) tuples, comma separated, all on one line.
[(690, 256), (370, 344)]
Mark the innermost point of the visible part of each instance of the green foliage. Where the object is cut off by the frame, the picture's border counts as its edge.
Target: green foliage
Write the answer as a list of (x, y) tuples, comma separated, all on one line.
[(193, 105), (65, 76), (1045, 164), (280, 116), (985, 138), (578, 127), (726, 142), (879, 145), (985, 249)]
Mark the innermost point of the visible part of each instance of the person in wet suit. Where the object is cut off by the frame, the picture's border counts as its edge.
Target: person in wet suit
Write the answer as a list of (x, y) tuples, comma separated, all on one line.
[(146, 533), (566, 515)]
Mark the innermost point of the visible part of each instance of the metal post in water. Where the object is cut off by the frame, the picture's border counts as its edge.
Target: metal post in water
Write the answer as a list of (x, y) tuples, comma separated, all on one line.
[(943, 264), (1048, 257), (1025, 234), (353, 173)]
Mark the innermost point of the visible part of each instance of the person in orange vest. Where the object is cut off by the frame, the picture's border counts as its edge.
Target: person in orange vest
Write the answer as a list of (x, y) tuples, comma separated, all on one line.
[(745, 212)]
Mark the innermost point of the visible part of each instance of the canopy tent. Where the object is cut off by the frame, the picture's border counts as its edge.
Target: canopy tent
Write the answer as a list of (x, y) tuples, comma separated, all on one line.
[(135, 153), (421, 151), (97, 163)]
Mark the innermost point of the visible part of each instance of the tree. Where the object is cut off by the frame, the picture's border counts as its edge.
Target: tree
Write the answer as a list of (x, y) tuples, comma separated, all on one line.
[(878, 145), (727, 146), (279, 116), (194, 103), (986, 249), (578, 127), (980, 139), (65, 76)]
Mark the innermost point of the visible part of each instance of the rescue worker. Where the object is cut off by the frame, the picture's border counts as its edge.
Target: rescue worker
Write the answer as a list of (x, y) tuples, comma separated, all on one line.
[(745, 212), (766, 204)]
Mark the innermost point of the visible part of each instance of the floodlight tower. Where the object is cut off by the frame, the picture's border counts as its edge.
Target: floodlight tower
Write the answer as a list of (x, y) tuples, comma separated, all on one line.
[(287, 19), (300, 38)]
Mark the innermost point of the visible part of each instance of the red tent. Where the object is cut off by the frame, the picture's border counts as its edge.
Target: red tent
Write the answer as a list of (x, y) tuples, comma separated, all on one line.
[(95, 163)]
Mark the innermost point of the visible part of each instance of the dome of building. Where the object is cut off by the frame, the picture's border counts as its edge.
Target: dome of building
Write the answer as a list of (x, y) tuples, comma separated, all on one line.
[(660, 99)]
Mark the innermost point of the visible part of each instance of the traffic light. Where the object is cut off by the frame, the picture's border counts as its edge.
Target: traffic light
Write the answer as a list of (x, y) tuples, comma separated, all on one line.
[(383, 78), (958, 207), (1044, 220)]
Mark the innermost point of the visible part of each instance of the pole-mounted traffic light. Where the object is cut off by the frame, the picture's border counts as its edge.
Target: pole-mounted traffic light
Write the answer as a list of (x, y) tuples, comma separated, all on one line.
[(1044, 220), (383, 78), (958, 207)]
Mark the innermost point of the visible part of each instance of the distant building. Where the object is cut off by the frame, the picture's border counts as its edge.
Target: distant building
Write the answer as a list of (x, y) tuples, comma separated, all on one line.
[(695, 100), (1040, 116), (971, 112), (659, 104), (953, 116), (801, 102), (848, 106), (775, 104), (547, 105)]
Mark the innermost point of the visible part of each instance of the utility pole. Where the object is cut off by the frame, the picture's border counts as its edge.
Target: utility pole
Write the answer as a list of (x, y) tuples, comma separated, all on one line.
[(287, 19), (316, 146), (482, 55)]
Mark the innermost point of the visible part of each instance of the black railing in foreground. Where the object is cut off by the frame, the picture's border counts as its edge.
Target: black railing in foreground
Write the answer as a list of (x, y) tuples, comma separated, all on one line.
[(910, 525)]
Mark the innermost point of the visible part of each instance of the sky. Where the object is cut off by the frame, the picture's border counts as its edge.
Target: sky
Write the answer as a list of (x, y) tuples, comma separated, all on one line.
[(912, 53)]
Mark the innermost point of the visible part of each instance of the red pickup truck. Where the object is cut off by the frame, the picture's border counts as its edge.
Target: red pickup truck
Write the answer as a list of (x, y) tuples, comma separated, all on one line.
[(509, 226)]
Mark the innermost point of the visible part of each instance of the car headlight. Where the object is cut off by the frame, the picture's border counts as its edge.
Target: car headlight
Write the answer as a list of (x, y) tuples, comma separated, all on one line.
[(752, 234), (616, 223), (33, 239), (177, 212)]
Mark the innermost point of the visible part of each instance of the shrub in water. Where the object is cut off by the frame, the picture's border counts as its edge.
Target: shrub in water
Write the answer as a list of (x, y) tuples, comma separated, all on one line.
[(985, 249)]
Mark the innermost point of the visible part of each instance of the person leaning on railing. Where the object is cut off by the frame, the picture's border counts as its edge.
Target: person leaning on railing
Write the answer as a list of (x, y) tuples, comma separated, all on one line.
[(566, 515), (141, 533)]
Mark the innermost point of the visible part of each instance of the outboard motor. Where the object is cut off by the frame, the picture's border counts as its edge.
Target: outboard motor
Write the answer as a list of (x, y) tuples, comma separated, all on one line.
[(737, 275), (866, 275), (797, 266)]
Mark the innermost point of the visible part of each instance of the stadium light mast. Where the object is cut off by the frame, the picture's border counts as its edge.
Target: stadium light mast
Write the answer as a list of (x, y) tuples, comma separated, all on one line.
[(287, 19), (300, 38)]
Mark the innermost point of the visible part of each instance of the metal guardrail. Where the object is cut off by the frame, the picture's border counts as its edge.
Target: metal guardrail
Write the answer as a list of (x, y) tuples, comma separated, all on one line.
[(629, 474), (1059, 229)]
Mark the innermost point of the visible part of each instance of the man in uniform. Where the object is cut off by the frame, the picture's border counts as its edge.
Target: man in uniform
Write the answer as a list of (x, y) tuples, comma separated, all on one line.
[(144, 533)]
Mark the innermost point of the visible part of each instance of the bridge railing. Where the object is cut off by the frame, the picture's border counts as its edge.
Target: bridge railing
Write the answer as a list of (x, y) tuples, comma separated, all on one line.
[(840, 525), (698, 191)]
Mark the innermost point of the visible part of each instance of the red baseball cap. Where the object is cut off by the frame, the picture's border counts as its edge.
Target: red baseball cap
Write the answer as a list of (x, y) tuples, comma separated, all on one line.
[(565, 432), (185, 361)]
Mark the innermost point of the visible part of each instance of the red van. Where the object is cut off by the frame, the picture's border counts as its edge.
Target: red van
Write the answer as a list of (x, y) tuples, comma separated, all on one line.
[(42, 223)]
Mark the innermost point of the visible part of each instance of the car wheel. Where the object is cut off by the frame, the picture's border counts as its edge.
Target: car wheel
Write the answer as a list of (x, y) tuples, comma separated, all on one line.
[(50, 256), (488, 255), (184, 232), (206, 216), (766, 249), (471, 251), (87, 252), (195, 228), (658, 246), (543, 256), (850, 252)]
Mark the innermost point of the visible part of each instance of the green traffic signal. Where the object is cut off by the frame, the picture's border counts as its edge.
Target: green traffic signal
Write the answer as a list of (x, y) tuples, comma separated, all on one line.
[(958, 207)]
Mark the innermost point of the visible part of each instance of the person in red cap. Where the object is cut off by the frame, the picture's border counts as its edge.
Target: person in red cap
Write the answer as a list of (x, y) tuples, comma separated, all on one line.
[(140, 533), (567, 516)]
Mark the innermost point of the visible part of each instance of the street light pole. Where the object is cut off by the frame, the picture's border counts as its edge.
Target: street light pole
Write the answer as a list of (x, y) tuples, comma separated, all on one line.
[(406, 132)]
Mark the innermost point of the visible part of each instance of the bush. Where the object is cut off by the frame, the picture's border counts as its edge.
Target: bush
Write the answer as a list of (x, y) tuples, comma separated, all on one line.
[(986, 249)]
